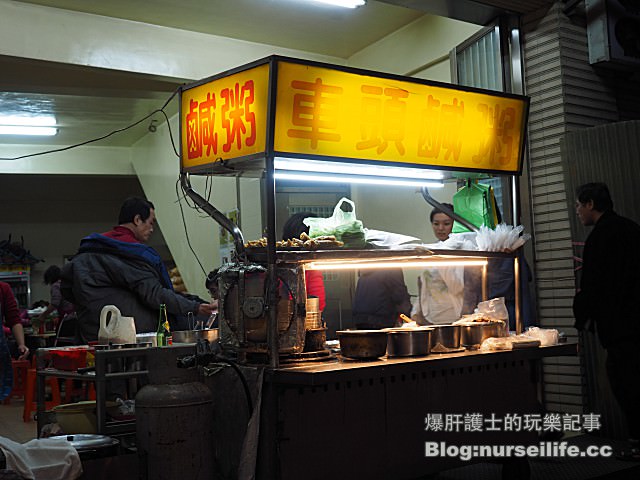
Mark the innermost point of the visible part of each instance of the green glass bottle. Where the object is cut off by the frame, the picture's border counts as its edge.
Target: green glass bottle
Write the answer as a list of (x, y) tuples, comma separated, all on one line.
[(161, 333)]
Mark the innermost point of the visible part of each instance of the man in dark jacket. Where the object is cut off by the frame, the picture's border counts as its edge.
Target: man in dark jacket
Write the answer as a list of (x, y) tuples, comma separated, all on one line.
[(607, 298), (117, 268)]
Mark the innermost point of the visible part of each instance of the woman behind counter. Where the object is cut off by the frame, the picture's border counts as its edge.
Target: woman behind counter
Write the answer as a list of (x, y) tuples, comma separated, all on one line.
[(440, 290)]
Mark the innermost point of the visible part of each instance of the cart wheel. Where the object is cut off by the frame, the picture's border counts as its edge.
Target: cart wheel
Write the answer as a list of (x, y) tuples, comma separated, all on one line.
[(516, 468)]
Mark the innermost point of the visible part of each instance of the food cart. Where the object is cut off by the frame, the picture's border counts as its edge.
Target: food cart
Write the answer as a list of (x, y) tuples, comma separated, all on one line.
[(315, 417)]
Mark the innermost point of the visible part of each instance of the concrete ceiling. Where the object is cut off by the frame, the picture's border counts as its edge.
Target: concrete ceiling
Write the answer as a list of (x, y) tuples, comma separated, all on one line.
[(90, 103)]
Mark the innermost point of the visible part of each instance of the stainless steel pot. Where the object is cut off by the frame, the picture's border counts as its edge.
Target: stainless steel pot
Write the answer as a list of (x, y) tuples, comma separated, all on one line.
[(473, 334), (192, 336), (362, 344), (408, 342), (90, 446), (445, 337), (315, 339)]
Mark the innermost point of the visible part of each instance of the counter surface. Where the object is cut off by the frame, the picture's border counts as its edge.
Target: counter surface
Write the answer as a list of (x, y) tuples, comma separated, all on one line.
[(319, 373)]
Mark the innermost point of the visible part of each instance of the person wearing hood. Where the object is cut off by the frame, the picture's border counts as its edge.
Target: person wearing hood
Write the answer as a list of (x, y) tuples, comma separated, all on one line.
[(118, 268)]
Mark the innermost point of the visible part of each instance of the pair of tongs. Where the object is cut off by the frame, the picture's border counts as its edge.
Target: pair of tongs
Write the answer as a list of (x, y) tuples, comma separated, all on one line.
[(194, 324)]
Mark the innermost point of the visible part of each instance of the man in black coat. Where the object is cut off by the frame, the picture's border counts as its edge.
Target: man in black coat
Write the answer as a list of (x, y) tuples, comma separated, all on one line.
[(608, 298)]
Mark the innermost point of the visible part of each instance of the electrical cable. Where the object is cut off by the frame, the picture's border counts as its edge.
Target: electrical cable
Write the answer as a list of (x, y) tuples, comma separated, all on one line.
[(186, 233), (173, 143), (113, 132), (243, 380)]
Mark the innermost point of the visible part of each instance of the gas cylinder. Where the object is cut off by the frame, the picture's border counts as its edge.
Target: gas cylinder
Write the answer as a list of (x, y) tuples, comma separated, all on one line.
[(174, 415)]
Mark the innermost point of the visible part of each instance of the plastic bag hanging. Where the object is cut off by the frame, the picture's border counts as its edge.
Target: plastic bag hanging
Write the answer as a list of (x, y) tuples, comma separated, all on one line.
[(477, 204)]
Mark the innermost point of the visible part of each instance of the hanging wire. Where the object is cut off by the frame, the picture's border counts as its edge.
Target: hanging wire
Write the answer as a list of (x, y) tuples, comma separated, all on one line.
[(113, 132), (184, 224)]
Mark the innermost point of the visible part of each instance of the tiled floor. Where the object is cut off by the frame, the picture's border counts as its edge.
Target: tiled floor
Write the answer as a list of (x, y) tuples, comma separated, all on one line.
[(11, 424)]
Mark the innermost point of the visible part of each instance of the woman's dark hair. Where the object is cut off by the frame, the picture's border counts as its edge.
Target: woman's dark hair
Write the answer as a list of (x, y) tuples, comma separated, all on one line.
[(293, 227), (52, 275), (133, 206), (436, 210), (598, 192)]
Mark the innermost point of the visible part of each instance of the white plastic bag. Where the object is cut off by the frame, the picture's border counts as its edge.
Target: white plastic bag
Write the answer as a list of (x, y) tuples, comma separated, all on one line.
[(495, 309), (502, 238), (547, 336), (339, 224)]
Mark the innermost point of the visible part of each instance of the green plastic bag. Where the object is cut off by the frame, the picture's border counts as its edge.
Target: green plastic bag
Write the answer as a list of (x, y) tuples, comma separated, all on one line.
[(475, 203), (343, 225)]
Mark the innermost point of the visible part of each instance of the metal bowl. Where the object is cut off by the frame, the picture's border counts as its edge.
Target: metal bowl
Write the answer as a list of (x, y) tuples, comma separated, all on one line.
[(362, 344), (408, 342), (192, 336), (445, 337)]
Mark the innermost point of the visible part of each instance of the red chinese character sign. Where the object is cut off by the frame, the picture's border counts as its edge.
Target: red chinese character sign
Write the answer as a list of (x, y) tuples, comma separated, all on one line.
[(224, 118), (325, 112), (322, 112)]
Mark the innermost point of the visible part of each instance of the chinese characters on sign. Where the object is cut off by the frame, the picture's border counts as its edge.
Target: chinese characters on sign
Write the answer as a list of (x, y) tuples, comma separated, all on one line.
[(328, 112), (511, 422), (224, 118), (334, 113)]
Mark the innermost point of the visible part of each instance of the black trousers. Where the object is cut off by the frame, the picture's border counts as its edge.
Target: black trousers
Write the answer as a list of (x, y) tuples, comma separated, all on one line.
[(623, 370)]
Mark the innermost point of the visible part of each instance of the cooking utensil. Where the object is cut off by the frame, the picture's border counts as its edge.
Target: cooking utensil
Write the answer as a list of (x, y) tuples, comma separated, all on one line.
[(190, 322), (408, 342), (90, 446), (473, 334), (405, 318), (147, 337), (445, 337), (192, 336), (314, 339), (212, 318), (362, 344)]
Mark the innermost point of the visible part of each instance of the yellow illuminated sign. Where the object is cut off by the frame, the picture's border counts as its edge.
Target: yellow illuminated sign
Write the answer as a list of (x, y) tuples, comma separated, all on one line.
[(224, 118), (320, 111)]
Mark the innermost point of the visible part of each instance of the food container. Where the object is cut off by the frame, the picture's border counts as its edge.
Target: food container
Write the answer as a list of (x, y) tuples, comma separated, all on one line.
[(362, 344), (445, 337), (408, 342), (192, 336), (315, 339), (77, 417), (473, 334), (68, 358), (147, 337), (91, 446), (313, 317)]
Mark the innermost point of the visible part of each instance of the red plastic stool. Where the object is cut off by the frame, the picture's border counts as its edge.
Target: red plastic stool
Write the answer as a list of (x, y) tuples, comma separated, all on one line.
[(30, 403), (19, 387), (86, 390)]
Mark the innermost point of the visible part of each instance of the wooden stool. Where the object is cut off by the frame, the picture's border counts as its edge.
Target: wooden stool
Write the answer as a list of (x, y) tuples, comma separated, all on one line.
[(19, 387), (30, 399)]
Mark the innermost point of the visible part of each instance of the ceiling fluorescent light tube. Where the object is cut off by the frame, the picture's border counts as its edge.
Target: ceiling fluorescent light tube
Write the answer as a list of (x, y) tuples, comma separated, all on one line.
[(322, 166), (314, 177), (343, 3), (28, 120), (24, 130)]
